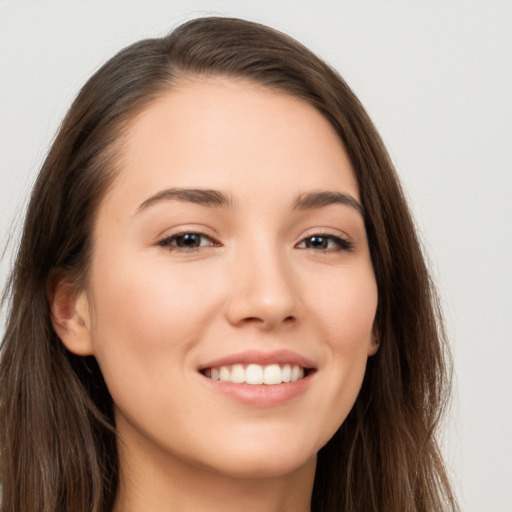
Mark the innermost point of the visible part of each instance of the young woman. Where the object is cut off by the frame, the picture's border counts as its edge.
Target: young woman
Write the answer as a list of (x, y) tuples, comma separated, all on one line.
[(219, 300)]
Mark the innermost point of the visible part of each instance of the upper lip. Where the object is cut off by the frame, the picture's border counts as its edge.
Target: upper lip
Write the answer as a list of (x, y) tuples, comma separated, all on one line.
[(259, 357)]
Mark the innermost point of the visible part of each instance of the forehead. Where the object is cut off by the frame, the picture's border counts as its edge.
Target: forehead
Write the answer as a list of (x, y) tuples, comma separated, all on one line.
[(232, 135)]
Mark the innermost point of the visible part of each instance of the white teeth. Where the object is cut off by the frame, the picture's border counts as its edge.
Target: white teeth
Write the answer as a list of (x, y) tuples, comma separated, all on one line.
[(272, 374), (224, 374), (237, 374), (286, 373), (256, 374), (297, 373)]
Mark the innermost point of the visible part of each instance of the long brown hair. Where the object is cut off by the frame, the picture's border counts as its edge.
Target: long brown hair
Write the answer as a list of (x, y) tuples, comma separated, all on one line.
[(57, 434)]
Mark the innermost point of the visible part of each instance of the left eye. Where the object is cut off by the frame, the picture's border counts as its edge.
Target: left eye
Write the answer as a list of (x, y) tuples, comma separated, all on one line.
[(187, 241), (325, 243)]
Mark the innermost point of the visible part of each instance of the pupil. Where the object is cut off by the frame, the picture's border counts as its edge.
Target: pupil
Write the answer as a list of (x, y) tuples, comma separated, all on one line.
[(189, 240), (318, 242)]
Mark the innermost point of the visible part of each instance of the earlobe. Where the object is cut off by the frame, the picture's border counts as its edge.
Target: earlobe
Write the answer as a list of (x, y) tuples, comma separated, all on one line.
[(70, 316), (373, 345)]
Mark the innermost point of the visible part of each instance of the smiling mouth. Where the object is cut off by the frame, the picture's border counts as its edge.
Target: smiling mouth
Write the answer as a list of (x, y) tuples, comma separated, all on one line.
[(256, 374)]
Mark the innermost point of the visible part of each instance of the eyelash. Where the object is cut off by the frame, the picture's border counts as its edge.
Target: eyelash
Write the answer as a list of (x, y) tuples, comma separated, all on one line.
[(169, 244), (340, 244)]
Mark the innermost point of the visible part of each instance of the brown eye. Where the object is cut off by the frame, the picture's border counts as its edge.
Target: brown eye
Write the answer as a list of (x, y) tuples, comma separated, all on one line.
[(325, 243), (187, 241), (317, 242)]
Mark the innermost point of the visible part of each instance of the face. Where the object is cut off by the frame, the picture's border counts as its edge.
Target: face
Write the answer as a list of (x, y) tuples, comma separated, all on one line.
[(231, 297)]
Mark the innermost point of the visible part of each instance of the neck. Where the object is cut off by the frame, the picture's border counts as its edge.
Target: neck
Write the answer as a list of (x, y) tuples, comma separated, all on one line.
[(156, 482)]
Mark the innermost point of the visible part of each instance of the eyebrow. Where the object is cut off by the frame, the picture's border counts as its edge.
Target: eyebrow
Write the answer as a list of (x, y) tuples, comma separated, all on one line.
[(203, 197), (312, 200), (216, 199)]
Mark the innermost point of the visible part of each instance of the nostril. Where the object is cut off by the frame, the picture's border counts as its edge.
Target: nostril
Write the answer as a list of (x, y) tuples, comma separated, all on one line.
[(253, 319)]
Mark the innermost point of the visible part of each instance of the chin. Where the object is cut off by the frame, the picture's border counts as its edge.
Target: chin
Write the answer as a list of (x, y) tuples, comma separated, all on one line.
[(262, 457), (258, 466)]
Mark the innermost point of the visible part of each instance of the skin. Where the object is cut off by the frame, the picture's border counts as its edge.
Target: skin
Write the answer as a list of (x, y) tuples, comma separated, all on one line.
[(153, 313)]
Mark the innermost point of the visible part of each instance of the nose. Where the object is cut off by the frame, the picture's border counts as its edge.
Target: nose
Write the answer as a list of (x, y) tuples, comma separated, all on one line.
[(262, 290)]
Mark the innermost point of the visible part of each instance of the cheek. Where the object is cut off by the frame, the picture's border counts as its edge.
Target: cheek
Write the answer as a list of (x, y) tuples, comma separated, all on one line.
[(346, 308), (150, 298), (345, 321), (145, 320), (352, 337)]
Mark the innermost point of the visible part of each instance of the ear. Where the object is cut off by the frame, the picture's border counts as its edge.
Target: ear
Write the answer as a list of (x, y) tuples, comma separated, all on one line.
[(373, 344), (70, 315)]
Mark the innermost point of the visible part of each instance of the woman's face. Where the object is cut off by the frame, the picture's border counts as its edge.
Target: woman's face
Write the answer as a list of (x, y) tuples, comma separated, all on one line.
[(230, 245)]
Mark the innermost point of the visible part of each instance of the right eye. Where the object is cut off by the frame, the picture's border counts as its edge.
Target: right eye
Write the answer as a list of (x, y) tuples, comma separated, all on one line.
[(187, 242), (326, 243)]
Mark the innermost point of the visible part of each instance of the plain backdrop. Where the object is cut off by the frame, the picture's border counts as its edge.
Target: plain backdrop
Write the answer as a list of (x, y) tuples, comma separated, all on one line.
[(435, 77)]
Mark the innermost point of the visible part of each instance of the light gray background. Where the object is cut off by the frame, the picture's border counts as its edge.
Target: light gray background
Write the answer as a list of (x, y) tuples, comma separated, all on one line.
[(436, 78)]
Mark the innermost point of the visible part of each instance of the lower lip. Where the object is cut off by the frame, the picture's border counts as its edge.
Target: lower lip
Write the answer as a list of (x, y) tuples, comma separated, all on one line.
[(261, 395)]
